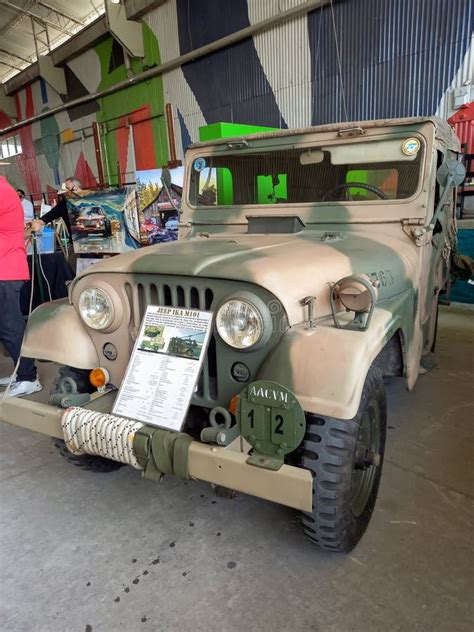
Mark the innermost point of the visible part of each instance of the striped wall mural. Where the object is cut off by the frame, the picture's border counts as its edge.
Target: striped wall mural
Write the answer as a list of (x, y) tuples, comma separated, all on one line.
[(349, 60)]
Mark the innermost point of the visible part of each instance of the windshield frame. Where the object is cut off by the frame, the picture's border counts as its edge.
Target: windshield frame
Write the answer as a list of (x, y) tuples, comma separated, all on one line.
[(316, 212), (259, 148)]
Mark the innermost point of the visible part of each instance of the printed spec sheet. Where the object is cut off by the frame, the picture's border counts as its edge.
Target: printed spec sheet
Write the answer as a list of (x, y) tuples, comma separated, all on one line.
[(165, 366)]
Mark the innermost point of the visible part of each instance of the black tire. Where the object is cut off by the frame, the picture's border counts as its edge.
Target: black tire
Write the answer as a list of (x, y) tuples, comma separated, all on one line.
[(88, 462), (345, 485)]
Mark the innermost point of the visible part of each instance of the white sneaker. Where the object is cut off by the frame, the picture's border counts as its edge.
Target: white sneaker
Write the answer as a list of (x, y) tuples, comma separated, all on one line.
[(5, 381), (18, 389)]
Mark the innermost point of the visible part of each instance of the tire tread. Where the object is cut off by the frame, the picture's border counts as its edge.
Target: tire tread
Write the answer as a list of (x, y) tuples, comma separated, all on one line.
[(327, 452)]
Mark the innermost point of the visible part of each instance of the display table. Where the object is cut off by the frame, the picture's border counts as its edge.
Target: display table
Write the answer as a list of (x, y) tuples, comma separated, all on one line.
[(57, 271)]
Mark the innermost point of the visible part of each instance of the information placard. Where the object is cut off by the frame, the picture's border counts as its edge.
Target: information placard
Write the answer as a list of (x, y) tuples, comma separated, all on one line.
[(165, 365)]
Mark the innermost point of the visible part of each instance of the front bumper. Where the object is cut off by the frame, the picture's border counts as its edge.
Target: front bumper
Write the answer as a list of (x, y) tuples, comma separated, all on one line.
[(225, 467)]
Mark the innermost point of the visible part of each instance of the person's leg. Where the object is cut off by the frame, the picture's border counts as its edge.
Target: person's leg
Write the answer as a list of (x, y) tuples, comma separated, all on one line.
[(12, 328)]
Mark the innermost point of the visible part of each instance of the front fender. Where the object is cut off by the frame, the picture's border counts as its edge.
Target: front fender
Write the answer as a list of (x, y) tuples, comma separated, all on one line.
[(326, 367), (55, 332)]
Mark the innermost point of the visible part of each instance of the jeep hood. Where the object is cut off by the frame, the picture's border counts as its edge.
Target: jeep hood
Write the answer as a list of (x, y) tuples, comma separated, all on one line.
[(289, 266)]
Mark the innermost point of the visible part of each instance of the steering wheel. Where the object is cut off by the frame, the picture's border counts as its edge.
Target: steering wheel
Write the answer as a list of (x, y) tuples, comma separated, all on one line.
[(356, 185)]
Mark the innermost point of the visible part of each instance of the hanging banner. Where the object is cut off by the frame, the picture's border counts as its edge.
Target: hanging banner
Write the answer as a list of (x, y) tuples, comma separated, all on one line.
[(164, 369)]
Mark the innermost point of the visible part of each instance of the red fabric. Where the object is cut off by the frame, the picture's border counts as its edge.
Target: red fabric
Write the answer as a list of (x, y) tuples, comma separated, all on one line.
[(84, 173), (143, 138), (13, 263), (5, 120), (26, 161)]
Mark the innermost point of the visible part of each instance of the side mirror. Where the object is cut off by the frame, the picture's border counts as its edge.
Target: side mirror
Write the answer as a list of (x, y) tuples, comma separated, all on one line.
[(451, 173)]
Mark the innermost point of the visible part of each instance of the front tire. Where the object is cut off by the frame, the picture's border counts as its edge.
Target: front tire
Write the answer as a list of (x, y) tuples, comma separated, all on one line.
[(345, 458), (88, 462)]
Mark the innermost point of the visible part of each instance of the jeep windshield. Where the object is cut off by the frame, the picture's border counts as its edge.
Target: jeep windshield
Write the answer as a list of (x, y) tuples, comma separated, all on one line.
[(357, 172)]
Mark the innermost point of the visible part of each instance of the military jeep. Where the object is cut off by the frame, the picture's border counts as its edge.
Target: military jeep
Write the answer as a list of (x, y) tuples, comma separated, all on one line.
[(322, 253), (187, 346)]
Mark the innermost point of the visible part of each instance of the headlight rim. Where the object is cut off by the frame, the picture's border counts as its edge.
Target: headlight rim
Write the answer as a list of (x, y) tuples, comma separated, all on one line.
[(262, 310), (115, 303)]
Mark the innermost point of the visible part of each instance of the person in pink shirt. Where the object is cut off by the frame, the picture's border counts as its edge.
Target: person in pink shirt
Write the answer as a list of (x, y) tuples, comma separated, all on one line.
[(13, 273)]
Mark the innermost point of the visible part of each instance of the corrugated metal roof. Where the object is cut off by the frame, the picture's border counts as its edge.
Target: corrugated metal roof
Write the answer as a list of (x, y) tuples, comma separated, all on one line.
[(63, 18)]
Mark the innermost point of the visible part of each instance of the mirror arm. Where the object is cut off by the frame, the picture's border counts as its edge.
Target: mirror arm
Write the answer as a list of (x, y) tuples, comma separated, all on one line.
[(439, 207)]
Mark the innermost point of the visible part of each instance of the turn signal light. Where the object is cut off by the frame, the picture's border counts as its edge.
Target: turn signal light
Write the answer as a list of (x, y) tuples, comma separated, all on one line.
[(233, 405), (99, 377)]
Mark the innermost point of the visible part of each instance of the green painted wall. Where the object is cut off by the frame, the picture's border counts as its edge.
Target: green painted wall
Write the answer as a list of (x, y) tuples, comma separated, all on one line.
[(119, 104)]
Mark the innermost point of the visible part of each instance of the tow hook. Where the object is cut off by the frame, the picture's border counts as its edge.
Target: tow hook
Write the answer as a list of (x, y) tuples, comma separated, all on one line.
[(68, 395)]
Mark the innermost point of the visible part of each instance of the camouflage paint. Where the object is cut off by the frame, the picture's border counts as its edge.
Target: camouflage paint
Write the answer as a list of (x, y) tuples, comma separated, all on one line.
[(325, 367)]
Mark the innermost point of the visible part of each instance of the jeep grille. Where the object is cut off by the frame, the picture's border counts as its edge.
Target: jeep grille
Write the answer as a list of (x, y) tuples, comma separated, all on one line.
[(216, 385), (182, 294)]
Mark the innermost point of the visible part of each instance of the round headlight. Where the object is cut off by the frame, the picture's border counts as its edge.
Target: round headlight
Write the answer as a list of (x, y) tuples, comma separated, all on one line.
[(239, 324), (96, 308)]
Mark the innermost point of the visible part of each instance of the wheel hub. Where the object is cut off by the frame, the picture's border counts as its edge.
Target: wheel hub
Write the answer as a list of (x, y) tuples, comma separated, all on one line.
[(367, 459)]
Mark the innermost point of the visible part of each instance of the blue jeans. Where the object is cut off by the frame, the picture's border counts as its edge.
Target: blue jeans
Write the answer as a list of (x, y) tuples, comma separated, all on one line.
[(12, 328)]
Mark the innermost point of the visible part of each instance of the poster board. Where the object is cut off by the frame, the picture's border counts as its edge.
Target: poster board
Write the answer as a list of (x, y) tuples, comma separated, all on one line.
[(104, 222), (158, 215), (165, 365)]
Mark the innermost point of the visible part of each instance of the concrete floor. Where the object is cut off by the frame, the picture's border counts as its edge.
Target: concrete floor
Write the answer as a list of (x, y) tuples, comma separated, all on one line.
[(85, 552)]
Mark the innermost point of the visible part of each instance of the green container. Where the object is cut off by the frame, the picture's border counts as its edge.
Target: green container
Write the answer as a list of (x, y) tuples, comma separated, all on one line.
[(225, 191)]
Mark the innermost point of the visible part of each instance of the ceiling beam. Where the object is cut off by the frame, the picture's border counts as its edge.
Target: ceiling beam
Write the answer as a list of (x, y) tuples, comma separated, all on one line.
[(4, 63), (6, 52), (36, 17), (81, 41), (29, 74), (58, 12), (137, 8)]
